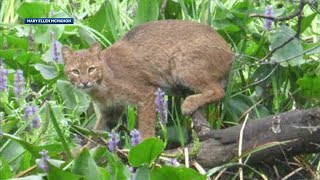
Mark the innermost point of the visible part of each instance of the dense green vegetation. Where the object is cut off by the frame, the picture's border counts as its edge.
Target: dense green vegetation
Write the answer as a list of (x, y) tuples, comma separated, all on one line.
[(43, 119)]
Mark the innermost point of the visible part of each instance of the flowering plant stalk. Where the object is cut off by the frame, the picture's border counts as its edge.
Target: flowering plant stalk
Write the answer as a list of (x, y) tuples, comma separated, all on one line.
[(162, 111)]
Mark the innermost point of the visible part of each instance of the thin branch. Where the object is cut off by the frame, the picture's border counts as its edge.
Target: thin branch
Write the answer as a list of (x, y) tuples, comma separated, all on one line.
[(263, 79), (285, 18), (163, 7), (298, 14)]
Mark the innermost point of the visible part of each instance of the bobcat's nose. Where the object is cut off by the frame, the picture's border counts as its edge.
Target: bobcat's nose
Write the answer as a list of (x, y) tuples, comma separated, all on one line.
[(85, 84)]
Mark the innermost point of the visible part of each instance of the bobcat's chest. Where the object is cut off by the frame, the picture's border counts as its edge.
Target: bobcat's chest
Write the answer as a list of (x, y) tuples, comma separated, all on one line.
[(108, 98)]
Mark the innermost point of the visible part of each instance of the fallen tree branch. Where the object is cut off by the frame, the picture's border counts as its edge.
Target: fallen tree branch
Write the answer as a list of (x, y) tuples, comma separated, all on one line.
[(299, 129)]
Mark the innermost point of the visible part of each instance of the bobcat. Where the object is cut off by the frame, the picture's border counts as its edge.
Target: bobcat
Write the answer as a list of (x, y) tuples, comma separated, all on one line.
[(170, 54)]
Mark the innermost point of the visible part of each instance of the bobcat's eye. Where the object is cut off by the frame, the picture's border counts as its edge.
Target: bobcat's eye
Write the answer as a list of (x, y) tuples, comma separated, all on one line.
[(91, 69), (76, 72)]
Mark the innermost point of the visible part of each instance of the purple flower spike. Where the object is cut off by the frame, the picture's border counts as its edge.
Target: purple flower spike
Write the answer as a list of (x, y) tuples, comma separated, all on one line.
[(268, 22), (32, 112), (3, 78), (161, 106), (55, 52), (113, 142), (43, 163), (19, 83), (135, 137)]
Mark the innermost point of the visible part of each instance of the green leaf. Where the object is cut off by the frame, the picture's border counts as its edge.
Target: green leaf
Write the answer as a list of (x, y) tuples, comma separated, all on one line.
[(145, 152), (113, 18), (142, 173), (116, 168), (27, 146), (312, 48), (75, 100), (34, 9), (5, 171), (59, 132), (13, 42), (86, 166), (56, 173), (148, 10), (176, 173), (291, 53), (42, 33), (225, 24), (310, 86), (306, 22), (12, 152), (26, 161), (104, 174), (47, 72)]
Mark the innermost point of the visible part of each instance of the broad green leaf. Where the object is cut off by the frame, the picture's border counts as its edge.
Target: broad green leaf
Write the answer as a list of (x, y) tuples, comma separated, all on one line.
[(42, 33), (176, 173), (5, 171), (11, 151), (86, 166), (291, 53), (104, 174), (47, 72), (310, 86), (56, 173), (238, 105), (75, 100), (13, 42), (53, 118), (142, 173), (116, 168), (148, 10), (26, 145), (34, 9), (26, 161), (145, 152), (85, 36)]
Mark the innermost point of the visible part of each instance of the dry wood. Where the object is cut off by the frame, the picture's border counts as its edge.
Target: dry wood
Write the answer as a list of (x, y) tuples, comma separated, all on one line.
[(298, 128)]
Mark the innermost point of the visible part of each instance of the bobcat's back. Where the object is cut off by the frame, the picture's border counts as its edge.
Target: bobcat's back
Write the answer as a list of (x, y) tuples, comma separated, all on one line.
[(158, 50)]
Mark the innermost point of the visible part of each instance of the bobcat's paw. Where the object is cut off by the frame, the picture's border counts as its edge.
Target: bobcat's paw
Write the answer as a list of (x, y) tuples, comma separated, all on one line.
[(188, 107)]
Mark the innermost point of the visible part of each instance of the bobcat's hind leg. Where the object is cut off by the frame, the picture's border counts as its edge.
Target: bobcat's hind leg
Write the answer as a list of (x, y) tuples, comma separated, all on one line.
[(205, 95)]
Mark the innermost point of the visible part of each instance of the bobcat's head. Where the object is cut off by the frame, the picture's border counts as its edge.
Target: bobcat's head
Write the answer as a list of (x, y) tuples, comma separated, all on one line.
[(83, 68)]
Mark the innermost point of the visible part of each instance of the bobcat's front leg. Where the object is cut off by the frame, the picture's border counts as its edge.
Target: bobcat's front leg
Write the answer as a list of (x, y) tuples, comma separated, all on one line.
[(107, 119), (146, 115)]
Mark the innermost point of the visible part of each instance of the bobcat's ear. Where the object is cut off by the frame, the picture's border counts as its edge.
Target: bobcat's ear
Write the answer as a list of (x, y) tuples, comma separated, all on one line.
[(95, 48), (66, 53)]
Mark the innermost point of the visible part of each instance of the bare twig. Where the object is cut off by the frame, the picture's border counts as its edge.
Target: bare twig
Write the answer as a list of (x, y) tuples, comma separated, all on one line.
[(263, 79), (163, 7), (285, 18), (292, 173), (240, 145)]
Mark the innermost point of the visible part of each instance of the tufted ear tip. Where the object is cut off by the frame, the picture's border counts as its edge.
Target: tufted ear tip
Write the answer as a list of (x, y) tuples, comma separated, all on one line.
[(95, 47), (66, 52)]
